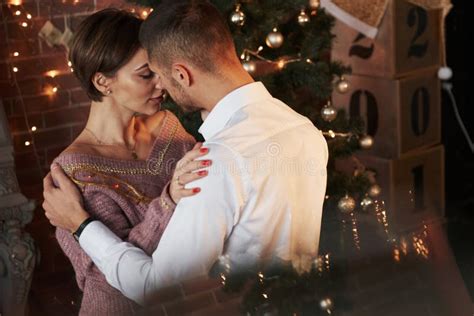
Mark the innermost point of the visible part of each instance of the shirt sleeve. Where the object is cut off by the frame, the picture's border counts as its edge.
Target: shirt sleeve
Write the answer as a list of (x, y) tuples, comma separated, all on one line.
[(191, 243)]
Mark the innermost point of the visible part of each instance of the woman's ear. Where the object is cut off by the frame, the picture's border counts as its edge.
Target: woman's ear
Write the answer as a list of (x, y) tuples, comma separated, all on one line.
[(102, 83), (182, 75)]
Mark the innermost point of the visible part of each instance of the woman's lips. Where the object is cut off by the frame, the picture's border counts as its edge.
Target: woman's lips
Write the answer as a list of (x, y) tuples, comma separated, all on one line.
[(157, 99)]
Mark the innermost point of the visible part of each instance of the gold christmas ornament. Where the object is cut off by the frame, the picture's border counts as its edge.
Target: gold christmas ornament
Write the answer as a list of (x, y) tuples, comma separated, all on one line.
[(374, 191), (274, 39), (249, 66), (328, 112), (342, 85), (366, 142), (366, 203), (237, 17), (314, 4), (303, 18), (346, 204)]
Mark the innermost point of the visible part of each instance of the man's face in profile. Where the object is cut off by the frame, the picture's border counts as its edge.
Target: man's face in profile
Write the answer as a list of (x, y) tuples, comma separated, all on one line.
[(173, 88)]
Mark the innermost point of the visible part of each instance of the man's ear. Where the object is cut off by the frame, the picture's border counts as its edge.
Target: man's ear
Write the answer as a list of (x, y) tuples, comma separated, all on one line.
[(182, 75), (102, 83)]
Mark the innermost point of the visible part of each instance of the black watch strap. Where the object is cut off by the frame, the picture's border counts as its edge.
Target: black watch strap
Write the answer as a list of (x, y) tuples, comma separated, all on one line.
[(78, 232)]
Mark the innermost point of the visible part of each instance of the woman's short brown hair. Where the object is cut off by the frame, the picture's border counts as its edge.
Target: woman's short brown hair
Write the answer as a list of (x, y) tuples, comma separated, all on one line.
[(103, 42)]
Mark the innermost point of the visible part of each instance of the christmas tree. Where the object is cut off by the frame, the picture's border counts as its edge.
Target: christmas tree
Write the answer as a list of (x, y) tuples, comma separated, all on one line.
[(287, 45)]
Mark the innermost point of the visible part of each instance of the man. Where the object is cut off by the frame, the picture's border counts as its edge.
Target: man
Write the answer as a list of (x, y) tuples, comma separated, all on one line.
[(262, 201)]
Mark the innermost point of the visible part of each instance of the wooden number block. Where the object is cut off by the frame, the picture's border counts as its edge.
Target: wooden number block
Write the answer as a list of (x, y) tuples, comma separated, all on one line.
[(401, 115), (412, 186), (409, 39)]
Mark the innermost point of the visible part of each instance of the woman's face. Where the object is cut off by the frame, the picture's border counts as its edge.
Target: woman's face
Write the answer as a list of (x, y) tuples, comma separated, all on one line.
[(134, 86)]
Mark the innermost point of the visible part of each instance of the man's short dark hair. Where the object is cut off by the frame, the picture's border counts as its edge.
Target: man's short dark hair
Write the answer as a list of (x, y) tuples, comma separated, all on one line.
[(193, 30)]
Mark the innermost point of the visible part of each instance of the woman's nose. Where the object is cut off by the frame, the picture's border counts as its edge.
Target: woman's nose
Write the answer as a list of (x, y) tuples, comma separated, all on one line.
[(158, 84)]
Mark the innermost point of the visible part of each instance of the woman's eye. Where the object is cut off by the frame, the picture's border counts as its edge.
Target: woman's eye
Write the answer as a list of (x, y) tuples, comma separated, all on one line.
[(148, 76)]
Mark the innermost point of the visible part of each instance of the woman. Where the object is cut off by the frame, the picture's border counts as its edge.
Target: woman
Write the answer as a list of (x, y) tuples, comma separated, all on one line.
[(124, 157)]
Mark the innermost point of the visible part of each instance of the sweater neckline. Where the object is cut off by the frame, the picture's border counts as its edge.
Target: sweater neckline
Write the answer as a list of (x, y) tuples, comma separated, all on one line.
[(162, 136)]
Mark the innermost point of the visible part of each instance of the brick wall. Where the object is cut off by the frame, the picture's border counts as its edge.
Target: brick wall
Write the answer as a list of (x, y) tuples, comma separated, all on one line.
[(58, 118)]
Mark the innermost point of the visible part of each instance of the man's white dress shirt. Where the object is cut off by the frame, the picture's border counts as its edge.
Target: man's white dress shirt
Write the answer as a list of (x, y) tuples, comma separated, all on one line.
[(261, 202)]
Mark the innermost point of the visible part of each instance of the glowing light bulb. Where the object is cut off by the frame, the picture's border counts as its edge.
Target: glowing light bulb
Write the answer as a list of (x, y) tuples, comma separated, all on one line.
[(27, 143), (24, 24), (28, 16), (17, 12), (15, 2), (16, 54), (33, 128), (15, 69), (52, 73)]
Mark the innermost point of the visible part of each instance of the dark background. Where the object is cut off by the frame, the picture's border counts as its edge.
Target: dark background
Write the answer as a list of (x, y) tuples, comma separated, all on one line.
[(459, 157)]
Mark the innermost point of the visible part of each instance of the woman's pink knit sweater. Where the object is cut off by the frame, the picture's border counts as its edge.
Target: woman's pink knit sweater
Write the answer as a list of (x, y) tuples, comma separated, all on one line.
[(131, 198)]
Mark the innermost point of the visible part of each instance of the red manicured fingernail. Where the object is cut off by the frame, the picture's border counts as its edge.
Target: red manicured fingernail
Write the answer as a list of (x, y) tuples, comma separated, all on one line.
[(204, 150), (196, 190), (206, 163), (202, 172)]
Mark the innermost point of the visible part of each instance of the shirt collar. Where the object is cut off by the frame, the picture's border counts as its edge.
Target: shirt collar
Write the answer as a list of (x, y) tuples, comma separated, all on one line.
[(231, 103)]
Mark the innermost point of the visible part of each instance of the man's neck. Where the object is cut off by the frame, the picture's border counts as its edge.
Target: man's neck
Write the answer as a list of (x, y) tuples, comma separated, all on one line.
[(221, 88)]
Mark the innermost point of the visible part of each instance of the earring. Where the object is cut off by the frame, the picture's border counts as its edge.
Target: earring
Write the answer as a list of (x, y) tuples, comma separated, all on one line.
[(108, 92)]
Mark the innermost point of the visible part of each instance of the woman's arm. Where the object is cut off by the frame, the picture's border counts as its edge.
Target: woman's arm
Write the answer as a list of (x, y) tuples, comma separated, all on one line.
[(147, 233)]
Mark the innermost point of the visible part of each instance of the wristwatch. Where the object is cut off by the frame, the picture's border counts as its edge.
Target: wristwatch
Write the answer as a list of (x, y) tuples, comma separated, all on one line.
[(81, 227)]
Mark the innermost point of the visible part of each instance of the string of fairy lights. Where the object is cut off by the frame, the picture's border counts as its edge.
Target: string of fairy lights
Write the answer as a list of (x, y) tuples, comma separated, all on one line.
[(25, 20), (18, 10)]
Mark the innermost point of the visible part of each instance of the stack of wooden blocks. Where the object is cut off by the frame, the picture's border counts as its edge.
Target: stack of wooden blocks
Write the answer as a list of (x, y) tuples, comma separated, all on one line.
[(395, 88)]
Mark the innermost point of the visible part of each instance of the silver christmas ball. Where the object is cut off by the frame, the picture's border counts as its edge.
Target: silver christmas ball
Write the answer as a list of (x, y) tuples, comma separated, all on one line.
[(366, 203), (274, 39), (374, 191), (237, 17), (325, 304), (342, 85), (366, 142), (328, 113), (314, 4), (303, 18), (445, 73), (250, 66), (346, 204)]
